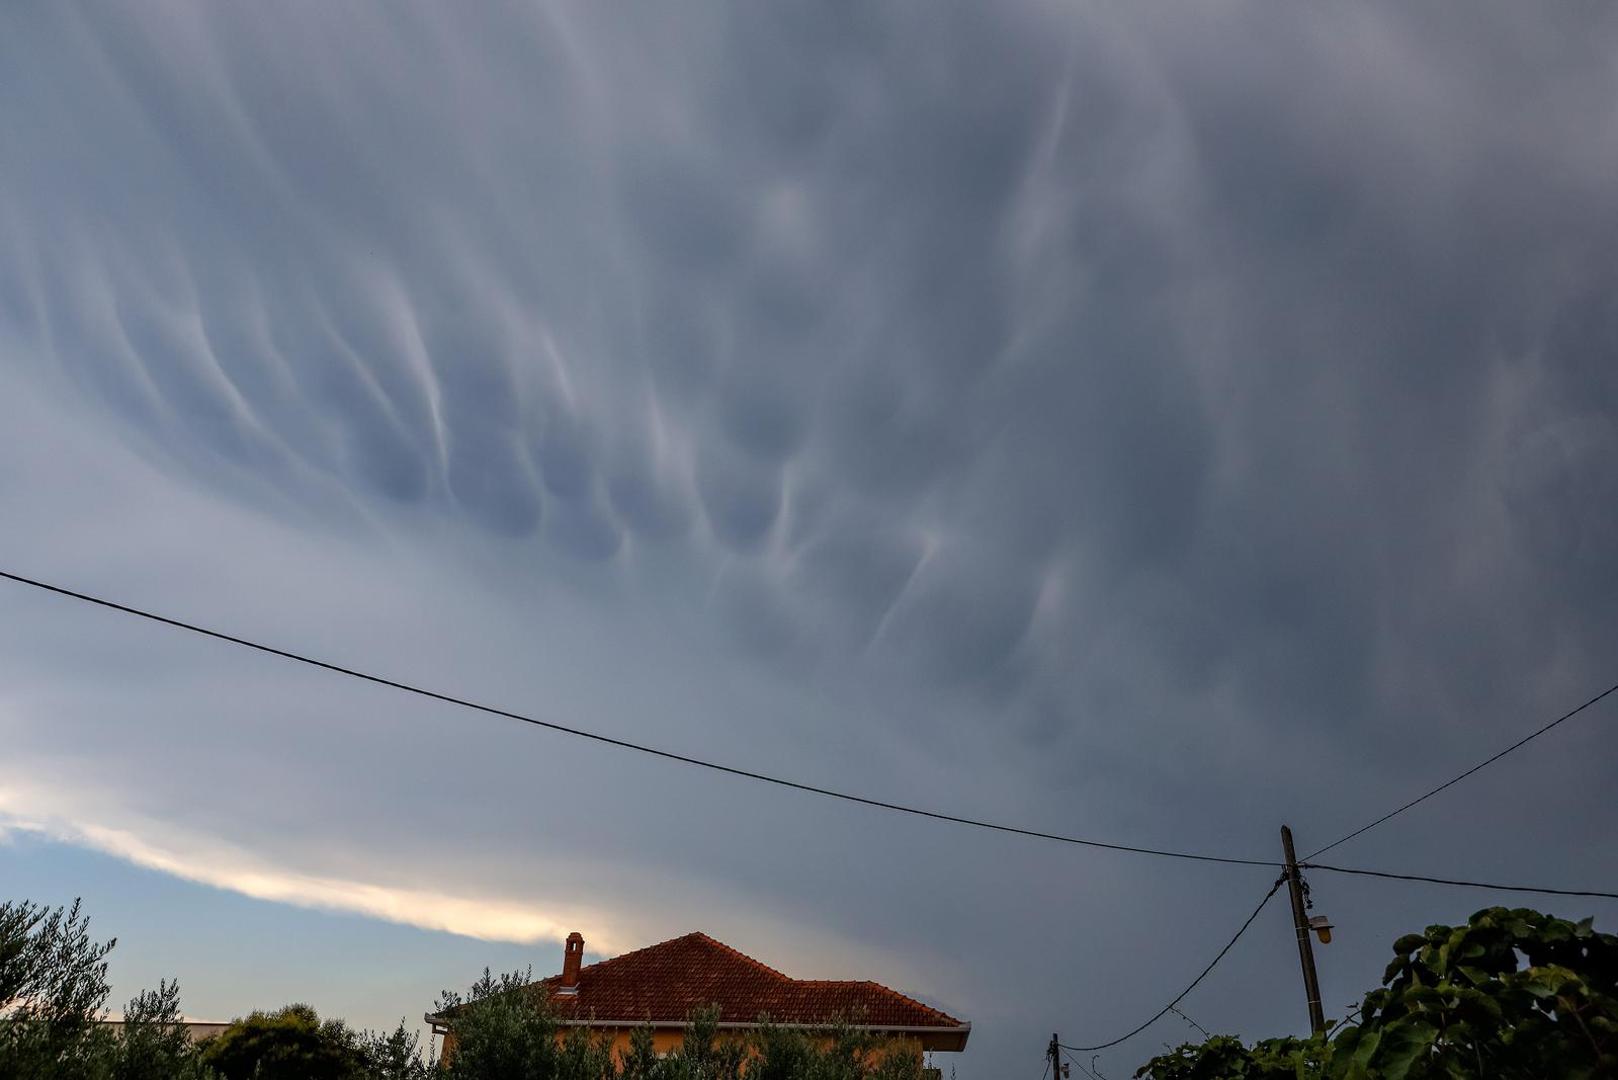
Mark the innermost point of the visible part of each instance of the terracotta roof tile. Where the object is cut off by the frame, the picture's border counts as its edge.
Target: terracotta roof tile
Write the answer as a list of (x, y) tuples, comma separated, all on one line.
[(669, 981)]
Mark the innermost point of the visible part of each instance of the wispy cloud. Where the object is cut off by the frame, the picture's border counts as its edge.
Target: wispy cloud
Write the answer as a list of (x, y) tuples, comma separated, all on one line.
[(207, 860)]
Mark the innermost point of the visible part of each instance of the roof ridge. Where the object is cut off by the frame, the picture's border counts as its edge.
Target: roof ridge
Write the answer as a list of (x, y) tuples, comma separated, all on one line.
[(692, 935), (625, 955), (831, 982), (875, 991)]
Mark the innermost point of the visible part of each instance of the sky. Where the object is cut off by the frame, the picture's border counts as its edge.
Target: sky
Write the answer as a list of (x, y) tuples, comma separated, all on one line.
[(1151, 423)]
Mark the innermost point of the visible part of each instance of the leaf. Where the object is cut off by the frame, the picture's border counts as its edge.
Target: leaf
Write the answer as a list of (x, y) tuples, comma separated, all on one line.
[(1422, 995), (1368, 1046), (1402, 1044)]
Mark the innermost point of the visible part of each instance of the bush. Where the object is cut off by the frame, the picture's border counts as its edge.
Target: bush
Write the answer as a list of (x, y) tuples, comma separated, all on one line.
[(396, 1056), (291, 1043), (1513, 993), (53, 994), (53, 987), (503, 1030), (154, 1043)]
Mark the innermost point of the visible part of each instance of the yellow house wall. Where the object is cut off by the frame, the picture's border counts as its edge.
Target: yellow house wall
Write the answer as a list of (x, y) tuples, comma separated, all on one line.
[(665, 1040)]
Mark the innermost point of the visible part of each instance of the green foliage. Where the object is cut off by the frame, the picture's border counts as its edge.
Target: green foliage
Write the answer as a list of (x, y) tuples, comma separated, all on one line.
[(53, 986), (503, 1030), (396, 1056), (1223, 1057), (852, 1054), (291, 1043), (1512, 994), (154, 1044), (703, 1055), (53, 993), (640, 1063), (784, 1054)]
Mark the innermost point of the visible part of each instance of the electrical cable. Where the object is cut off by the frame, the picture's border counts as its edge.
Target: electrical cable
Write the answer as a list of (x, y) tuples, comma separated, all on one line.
[(1164, 1011), (896, 807), (622, 744), (1476, 768), (1452, 881), (1075, 1063), (1173, 1005), (1088, 1070)]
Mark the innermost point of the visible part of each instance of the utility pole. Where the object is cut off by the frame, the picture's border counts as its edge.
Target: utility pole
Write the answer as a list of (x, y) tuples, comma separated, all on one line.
[(1054, 1051), (1300, 920)]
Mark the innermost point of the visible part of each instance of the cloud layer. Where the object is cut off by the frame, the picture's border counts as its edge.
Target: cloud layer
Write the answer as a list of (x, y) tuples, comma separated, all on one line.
[(1169, 421)]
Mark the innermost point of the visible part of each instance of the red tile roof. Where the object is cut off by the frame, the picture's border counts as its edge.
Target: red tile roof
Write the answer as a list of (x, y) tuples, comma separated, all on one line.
[(668, 982)]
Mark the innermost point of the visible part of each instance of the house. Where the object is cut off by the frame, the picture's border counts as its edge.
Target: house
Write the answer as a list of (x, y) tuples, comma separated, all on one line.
[(663, 985), (195, 1030)]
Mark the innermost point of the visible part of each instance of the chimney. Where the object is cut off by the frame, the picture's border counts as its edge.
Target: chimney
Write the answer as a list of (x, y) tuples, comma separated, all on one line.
[(571, 958)]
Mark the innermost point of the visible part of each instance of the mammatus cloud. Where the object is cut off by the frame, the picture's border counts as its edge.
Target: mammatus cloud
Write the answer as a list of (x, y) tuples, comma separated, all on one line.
[(1061, 413), (249, 776)]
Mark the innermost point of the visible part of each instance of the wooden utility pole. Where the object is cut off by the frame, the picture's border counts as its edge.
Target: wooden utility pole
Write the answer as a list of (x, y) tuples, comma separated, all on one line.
[(1054, 1051), (1300, 920)]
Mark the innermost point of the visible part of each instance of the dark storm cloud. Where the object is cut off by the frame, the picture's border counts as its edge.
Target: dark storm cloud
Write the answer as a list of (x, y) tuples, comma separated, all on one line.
[(1144, 407)]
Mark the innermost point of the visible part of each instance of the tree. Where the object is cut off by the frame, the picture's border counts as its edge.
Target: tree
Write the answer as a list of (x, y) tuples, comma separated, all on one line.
[(782, 1053), (396, 1056), (1513, 993), (53, 986), (53, 995), (502, 1030), (291, 1043), (154, 1043), (641, 1062), (702, 1055), (1224, 1057)]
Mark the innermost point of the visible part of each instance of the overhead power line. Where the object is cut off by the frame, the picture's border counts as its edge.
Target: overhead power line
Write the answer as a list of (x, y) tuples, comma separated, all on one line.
[(1173, 1006), (622, 744), (1164, 1011), (1465, 884), (1519, 744), (1078, 1065)]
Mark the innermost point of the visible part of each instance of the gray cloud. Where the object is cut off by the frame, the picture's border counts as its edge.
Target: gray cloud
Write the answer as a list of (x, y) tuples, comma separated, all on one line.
[(1169, 421)]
